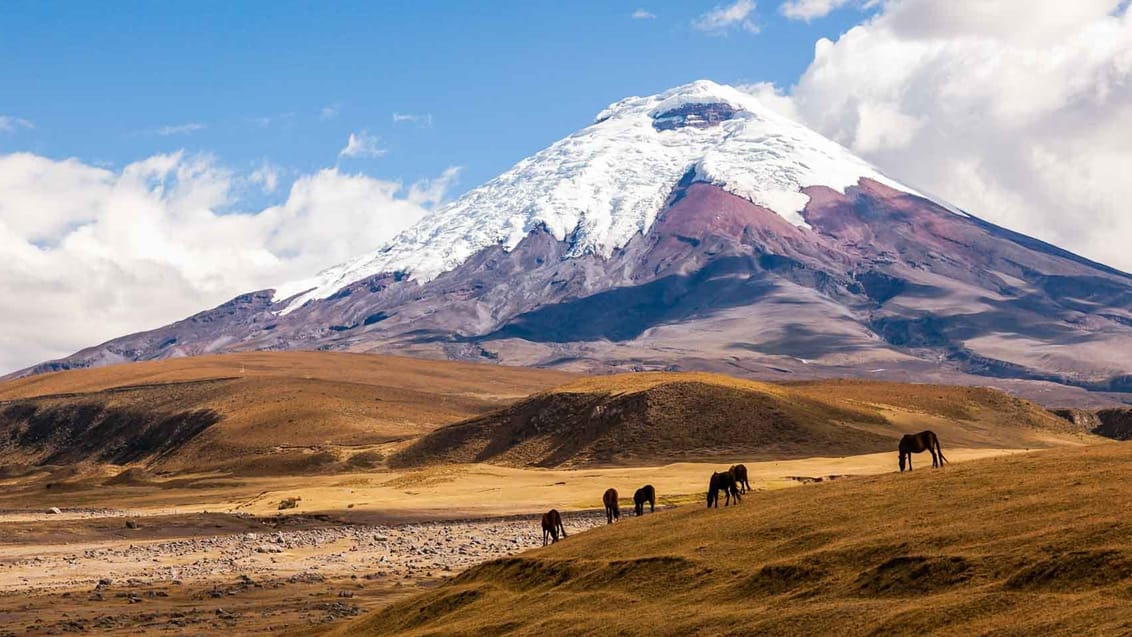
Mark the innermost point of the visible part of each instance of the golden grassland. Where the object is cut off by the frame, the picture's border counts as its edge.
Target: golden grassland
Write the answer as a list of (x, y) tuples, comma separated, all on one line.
[(654, 418), (283, 412), (1000, 542), (1025, 544)]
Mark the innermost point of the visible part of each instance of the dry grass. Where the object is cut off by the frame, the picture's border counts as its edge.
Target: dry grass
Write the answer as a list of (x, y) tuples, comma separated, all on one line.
[(1020, 545), (653, 418), (276, 412), (435, 492)]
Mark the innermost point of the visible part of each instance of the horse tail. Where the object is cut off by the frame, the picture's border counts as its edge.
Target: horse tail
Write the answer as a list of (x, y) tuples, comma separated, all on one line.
[(939, 450)]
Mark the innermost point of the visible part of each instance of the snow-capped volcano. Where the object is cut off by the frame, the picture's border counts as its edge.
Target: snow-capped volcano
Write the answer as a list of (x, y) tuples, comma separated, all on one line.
[(606, 183), (697, 229)]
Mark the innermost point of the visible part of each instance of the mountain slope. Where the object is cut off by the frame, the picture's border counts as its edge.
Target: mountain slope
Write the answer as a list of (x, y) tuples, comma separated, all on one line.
[(695, 229), (1023, 545)]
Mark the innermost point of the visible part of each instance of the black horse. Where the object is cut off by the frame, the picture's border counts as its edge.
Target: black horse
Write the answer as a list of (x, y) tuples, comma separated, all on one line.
[(918, 443), (722, 482), (739, 472), (552, 526), (612, 508), (644, 494)]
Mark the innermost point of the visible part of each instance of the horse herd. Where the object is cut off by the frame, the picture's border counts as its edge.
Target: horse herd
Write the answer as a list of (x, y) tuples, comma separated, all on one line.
[(732, 483)]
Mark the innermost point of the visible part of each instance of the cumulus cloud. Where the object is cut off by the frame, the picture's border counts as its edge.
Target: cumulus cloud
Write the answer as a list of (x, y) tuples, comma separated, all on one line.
[(329, 112), (110, 252), (362, 144), (1020, 116), (810, 9), (10, 124), (180, 129), (722, 19), (642, 14)]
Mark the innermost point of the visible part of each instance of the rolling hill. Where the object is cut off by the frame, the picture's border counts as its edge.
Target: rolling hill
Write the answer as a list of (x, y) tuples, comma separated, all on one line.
[(1022, 545), (655, 418), (258, 412)]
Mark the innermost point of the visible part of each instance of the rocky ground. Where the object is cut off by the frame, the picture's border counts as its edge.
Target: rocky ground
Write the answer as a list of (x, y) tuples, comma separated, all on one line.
[(254, 581)]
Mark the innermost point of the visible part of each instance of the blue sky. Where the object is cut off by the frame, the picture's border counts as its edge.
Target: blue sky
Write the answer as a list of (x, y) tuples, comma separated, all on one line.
[(131, 132), (497, 80)]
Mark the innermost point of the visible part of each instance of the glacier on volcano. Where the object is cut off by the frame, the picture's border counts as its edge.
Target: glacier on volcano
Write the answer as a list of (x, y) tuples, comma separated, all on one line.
[(606, 183)]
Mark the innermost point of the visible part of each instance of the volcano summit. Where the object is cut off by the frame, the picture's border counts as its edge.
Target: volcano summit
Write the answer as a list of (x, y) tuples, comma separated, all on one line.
[(695, 229)]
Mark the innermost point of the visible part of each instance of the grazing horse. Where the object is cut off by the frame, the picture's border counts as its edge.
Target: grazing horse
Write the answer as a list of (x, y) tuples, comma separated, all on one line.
[(612, 509), (552, 526), (644, 494), (739, 472), (722, 482), (918, 443)]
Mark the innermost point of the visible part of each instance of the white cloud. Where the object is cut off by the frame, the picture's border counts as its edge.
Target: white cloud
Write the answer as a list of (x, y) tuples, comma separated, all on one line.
[(642, 14), (266, 176), (773, 97), (113, 252), (424, 119), (362, 144), (1021, 116), (810, 9), (180, 129), (721, 19), (430, 192), (329, 112), (10, 124)]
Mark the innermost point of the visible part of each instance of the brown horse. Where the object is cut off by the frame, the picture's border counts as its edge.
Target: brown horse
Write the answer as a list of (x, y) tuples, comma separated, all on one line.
[(722, 482), (739, 472), (918, 443), (612, 509), (552, 526), (644, 494)]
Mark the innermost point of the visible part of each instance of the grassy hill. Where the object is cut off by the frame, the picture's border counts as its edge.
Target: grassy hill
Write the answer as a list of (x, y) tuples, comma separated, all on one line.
[(259, 412), (1021, 545), (650, 418)]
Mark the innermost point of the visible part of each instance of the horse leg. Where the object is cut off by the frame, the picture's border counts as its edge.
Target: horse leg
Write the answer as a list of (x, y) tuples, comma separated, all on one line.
[(544, 534), (935, 460), (652, 506), (562, 528)]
